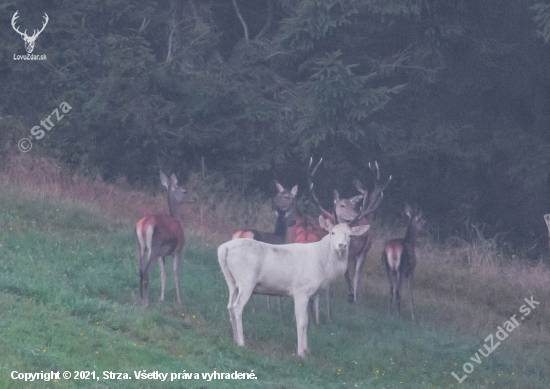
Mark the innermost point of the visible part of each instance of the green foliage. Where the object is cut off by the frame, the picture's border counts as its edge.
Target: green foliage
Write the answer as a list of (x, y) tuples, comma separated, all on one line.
[(335, 102), (176, 82), (315, 20)]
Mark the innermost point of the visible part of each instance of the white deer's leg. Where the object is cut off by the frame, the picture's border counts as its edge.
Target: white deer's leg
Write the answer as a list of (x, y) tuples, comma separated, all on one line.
[(300, 311), (280, 304), (177, 261), (268, 302), (162, 277), (242, 298), (233, 292)]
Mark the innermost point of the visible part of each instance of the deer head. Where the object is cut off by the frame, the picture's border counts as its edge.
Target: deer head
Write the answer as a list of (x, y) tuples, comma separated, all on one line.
[(344, 209), (29, 40)]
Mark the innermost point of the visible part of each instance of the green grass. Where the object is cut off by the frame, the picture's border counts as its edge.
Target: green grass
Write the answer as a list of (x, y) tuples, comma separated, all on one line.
[(69, 302)]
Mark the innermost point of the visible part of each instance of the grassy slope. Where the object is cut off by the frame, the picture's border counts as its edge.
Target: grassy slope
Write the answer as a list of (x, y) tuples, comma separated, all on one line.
[(68, 283)]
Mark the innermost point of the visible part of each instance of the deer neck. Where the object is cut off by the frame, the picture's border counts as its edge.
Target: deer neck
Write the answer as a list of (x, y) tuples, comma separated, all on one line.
[(281, 226), (335, 263), (412, 234), (172, 206)]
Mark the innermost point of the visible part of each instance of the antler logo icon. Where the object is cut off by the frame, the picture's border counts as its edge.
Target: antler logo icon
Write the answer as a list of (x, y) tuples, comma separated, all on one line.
[(29, 40)]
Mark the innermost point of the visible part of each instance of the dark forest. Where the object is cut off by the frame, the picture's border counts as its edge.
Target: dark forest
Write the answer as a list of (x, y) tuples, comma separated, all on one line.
[(452, 98)]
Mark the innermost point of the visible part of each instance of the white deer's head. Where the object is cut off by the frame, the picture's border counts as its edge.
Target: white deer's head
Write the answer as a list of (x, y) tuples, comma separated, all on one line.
[(29, 40)]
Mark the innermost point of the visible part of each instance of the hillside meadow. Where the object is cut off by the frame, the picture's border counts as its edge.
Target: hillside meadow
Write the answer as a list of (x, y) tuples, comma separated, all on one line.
[(69, 301)]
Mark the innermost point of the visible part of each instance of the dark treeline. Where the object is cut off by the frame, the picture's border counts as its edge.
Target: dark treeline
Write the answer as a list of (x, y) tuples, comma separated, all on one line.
[(451, 97)]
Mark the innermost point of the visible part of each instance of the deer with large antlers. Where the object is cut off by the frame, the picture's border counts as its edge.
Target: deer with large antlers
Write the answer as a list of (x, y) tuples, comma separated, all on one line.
[(162, 236), (29, 40), (399, 258), (344, 212)]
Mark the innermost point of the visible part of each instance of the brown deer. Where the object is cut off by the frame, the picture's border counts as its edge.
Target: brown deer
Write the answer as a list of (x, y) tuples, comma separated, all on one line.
[(344, 212), (282, 205), (399, 258), (162, 236)]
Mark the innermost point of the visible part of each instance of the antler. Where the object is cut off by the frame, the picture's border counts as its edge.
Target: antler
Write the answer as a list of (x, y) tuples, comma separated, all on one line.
[(310, 175), (375, 198), (15, 16)]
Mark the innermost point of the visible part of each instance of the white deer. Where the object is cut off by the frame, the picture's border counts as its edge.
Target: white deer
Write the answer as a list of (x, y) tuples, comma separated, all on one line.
[(298, 270), (29, 40)]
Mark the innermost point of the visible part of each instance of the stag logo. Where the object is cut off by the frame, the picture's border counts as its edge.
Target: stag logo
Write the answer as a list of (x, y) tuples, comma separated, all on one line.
[(29, 40)]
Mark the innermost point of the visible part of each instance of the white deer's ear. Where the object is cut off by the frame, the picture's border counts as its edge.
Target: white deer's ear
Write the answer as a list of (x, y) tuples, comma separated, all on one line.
[(163, 179), (294, 191), (279, 187), (325, 223), (336, 196), (359, 230)]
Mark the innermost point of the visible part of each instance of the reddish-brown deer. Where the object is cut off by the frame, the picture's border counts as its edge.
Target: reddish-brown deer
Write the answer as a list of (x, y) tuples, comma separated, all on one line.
[(162, 236), (399, 258), (344, 212)]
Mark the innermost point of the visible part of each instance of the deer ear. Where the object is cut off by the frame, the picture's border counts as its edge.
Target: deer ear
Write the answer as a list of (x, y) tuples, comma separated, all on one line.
[(325, 223), (418, 215), (336, 196), (174, 179), (294, 191), (356, 199), (163, 179), (359, 230), (279, 187)]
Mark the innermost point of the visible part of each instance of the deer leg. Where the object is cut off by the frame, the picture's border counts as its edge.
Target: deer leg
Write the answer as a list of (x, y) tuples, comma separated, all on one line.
[(280, 304), (253, 304), (411, 285), (268, 302), (141, 252), (398, 292), (177, 261), (350, 285), (358, 267), (390, 281), (300, 311), (313, 307), (162, 277), (144, 276), (238, 307)]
